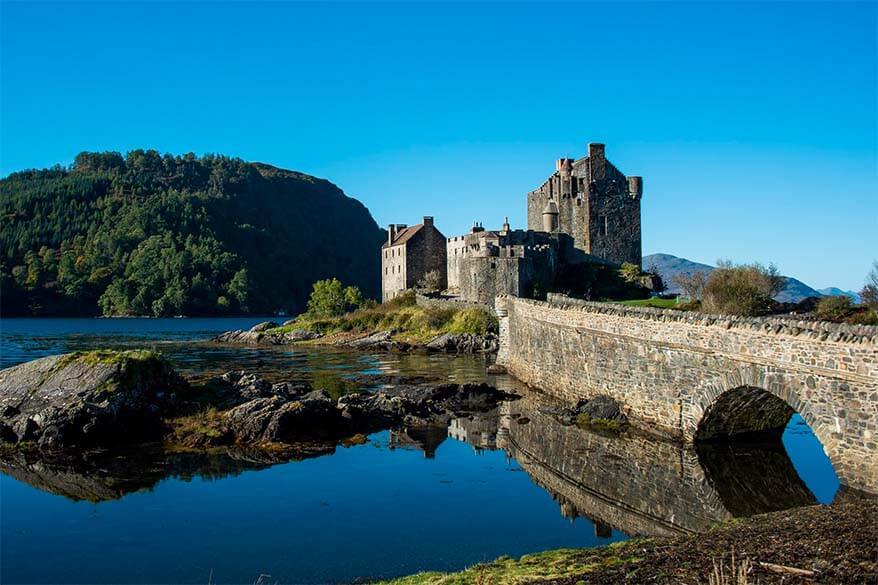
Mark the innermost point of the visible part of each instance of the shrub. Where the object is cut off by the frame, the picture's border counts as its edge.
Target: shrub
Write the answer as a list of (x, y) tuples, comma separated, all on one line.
[(867, 317), (741, 290), (431, 319), (836, 308), (474, 321)]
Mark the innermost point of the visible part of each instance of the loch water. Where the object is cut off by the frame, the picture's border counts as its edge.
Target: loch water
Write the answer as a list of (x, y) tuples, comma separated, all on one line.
[(508, 482)]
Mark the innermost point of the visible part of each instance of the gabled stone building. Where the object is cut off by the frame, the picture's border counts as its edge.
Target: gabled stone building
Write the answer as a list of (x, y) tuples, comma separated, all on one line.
[(593, 202), (409, 254)]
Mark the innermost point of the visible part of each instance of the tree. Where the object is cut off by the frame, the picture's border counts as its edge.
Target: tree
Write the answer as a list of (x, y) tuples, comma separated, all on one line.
[(330, 299), (629, 272), (691, 284), (869, 294), (431, 282), (239, 287)]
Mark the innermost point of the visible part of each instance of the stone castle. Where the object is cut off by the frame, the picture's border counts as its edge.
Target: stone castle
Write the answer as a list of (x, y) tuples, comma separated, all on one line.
[(586, 211)]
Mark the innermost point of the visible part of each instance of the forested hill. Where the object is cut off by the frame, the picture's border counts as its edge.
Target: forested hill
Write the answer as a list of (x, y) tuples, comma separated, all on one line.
[(151, 234)]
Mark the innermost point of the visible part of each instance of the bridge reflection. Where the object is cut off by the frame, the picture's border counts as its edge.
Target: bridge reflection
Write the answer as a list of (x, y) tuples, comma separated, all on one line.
[(635, 483)]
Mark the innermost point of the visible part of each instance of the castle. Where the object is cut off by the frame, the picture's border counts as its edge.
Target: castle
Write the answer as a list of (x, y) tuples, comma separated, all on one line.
[(586, 211), (594, 203)]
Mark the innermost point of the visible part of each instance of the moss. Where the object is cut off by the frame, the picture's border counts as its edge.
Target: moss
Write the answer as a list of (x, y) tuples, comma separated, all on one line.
[(584, 421)]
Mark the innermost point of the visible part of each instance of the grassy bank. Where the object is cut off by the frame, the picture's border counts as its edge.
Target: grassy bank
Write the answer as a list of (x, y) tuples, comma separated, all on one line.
[(824, 544), (409, 322)]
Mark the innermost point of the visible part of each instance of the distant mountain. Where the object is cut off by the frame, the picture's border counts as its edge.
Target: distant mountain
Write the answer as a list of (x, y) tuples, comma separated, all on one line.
[(668, 266), (152, 234), (834, 291)]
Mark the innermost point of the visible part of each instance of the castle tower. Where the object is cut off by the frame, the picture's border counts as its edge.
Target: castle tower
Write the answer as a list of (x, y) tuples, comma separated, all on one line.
[(550, 217), (590, 200)]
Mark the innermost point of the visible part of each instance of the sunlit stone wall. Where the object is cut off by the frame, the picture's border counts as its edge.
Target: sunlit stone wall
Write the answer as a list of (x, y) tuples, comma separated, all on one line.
[(667, 368)]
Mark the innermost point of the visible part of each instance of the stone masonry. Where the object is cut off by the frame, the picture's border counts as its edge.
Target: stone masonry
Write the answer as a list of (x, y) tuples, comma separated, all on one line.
[(409, 254), (592, 201), (699, 377)]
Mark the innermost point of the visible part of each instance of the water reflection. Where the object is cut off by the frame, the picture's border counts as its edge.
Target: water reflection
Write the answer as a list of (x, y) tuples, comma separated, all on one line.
[(632, 482)]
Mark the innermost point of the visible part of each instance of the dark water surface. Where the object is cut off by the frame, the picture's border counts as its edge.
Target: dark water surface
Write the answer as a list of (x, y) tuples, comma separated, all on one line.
[(508, 482)]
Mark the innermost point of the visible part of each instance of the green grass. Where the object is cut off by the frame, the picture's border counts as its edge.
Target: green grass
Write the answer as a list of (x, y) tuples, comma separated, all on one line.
[(655, 303), (554, 564), (407, 320)]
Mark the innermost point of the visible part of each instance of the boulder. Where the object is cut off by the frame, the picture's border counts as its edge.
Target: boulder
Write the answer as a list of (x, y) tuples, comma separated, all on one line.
[(263, 327), (86, 399), (601, 407), (277, 419)]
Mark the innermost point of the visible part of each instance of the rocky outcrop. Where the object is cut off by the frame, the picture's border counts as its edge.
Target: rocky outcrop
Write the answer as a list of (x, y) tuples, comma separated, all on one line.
[(266, 333), (464, 343), (263, 333), (256, 412), (86, 399)]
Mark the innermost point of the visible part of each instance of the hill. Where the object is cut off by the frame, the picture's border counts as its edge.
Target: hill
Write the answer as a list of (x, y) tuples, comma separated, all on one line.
[(151, 234), (834, 291), (669, 266)]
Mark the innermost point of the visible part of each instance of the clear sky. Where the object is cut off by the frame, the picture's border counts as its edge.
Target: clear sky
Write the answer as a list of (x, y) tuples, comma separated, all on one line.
[(754, 124)]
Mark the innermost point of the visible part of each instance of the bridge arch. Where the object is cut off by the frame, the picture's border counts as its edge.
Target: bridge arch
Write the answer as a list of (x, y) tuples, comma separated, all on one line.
[(750, 403)]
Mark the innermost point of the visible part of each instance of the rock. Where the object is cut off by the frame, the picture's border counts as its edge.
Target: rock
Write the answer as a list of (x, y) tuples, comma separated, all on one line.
[(261, 337), (301, 335), (496, 369), (234, 388), (277, 419), (601, 407), (464, 343), (87, 399), (263, 327)]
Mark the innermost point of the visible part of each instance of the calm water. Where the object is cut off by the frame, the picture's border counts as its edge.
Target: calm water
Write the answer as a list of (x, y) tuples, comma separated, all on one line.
[(508, 482)]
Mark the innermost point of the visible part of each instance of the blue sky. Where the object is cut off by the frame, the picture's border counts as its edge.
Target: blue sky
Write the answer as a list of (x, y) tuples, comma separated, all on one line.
[(754, 125)]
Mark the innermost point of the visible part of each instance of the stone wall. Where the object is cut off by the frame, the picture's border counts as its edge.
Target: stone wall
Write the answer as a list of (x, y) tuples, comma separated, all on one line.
[(425, 253), (447, 303), (456, 249), (669, 368), (393, 276)]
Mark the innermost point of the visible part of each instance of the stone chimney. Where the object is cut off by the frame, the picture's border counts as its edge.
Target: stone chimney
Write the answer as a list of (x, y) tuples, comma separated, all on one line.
[(428, 220), (393, 230), (597, 161), (635, 187)]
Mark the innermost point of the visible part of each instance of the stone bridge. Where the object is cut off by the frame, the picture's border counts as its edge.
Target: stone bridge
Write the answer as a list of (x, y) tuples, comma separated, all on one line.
[(699, 377)]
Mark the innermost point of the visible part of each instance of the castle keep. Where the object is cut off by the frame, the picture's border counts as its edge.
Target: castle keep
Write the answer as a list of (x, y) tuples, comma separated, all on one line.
[(587, 211), (593, 202)]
